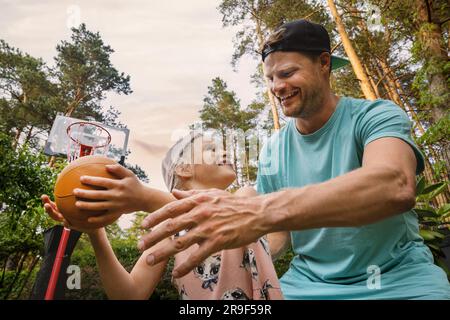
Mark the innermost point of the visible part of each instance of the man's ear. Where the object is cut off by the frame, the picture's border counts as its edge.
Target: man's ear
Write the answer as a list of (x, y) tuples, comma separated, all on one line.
[(184, 171), (325, 61)]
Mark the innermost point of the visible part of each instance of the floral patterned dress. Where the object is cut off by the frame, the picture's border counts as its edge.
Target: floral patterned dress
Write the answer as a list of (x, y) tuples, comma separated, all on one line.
[(246, 273)]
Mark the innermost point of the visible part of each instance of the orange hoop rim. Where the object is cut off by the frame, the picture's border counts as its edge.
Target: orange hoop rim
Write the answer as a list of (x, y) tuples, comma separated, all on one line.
[(82, 123)]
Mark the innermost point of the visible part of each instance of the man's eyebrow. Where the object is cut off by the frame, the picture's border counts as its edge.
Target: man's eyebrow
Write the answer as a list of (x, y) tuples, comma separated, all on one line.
[(281, 70), (286, 68)]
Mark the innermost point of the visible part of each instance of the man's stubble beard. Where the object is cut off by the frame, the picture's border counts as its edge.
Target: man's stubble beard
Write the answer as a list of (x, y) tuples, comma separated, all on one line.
[(308, 106)]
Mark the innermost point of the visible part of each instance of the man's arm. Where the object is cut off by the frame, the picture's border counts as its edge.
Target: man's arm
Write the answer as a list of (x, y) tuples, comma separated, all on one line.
[(382, 187), (278, 241)]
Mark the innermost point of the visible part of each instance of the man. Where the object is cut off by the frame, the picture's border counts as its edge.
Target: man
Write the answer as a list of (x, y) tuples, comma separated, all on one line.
[(340, 176)]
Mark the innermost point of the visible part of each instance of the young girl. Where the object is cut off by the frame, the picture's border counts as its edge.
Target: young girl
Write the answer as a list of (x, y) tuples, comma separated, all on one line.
[(192, 163)]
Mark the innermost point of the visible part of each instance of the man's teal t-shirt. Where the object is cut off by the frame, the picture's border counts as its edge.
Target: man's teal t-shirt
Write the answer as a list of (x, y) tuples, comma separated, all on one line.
[(383, 260)]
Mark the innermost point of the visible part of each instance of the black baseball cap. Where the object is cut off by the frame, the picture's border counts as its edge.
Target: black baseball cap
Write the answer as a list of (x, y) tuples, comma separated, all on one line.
[(303, 35)]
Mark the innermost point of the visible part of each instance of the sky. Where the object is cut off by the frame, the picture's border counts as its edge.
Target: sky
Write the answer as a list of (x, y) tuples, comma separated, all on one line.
[(171, 49)]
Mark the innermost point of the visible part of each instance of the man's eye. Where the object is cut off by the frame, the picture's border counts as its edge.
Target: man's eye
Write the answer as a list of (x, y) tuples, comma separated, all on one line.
[(286, 74)]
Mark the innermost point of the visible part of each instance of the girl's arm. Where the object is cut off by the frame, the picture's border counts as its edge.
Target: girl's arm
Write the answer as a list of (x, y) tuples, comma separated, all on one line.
[(126, 194), (118, 283), (143, 279), (278, 242)]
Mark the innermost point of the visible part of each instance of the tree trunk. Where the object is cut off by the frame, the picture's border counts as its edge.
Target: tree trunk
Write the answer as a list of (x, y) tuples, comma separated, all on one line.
[(70, 109), (51, 162), (27, 139), (435, 55), (18, 271), (16, 138), (351, 53), (79, 96), (30, 271), (3, 272), (12, 262), (372, 82), (276, 120), (434, 51), (273, 105), (246, 159), (235, 160)]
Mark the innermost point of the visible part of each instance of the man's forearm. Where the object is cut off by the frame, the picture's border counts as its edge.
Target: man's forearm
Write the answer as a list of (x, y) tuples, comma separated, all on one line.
[(360, 197)]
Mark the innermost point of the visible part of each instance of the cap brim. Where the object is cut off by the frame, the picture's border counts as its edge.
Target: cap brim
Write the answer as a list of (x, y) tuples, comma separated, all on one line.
[(338, 62)]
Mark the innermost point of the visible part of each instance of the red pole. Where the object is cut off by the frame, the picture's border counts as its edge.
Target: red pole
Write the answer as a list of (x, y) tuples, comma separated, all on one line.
[(57, 264)]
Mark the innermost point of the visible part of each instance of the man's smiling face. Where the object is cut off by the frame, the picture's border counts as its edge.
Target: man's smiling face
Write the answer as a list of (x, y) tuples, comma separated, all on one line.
[(297, 81)]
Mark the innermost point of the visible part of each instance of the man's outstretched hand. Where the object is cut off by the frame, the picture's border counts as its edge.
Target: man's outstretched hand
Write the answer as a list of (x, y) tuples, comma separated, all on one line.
[(215, 220)]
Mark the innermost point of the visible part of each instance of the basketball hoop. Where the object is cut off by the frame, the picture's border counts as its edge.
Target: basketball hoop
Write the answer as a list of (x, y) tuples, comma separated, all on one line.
[(87, 138)]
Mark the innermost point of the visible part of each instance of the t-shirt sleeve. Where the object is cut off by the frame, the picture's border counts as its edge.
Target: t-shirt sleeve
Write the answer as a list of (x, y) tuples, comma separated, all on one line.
[(263, 180), (268, 167), (383, 118)]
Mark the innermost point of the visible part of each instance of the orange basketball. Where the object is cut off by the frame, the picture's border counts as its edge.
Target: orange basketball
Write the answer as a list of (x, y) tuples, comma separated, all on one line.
[(69, 179)]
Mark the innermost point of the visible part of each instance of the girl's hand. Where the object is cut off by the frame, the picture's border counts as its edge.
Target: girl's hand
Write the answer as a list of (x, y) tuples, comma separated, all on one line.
[(52, 210), (123, 195)]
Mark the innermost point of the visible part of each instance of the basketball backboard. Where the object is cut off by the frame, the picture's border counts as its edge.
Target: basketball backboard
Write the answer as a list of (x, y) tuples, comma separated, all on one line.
[(58, 141)]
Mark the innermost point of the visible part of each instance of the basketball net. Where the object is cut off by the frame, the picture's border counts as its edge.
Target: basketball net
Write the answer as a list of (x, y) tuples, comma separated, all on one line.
[(85, 139)]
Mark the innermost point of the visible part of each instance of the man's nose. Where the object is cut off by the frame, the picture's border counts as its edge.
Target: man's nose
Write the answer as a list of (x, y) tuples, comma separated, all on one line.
[(278, 85)]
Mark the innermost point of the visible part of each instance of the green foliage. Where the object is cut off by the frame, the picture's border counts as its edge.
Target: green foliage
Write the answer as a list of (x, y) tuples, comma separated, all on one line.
[(344, 83), (76, 86), (221, 107), (29, 96), (32, 95), (432, 220), (282, 263), (25, 177), (264, 16), (85, 73), (17, 291), (138, 171), (222, 111), (439, 132)]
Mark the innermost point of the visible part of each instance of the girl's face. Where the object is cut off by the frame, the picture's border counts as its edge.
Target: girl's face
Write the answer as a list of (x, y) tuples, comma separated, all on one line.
[(215, 171)]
